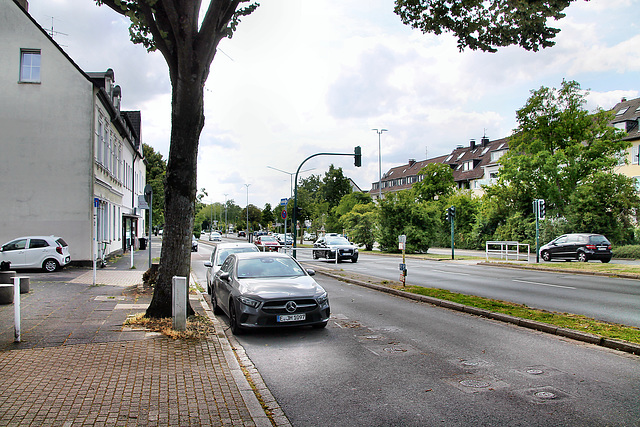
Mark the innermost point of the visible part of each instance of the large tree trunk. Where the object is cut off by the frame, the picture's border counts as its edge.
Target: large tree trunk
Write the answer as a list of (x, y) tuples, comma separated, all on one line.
[(187, 117)]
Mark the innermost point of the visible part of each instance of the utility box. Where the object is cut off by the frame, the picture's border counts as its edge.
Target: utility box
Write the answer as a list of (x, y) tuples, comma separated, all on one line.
[(179, 303)]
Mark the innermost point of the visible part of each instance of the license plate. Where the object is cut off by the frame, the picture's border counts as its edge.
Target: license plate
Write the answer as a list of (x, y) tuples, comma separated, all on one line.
[(602, 249), (291, 317)]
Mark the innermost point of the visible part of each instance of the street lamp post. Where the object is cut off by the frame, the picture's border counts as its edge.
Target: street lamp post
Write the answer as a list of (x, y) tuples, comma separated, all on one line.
[(247, 185), (226, 224), (379, 131)]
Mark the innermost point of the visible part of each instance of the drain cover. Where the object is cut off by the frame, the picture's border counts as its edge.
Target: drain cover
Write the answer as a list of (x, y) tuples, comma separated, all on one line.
[(474, 383), (394, 349), (469, 363), (535, 371), (547, 395)]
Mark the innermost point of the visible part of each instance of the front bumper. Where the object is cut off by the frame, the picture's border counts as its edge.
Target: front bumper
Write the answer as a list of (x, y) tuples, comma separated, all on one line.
[(252, 318)]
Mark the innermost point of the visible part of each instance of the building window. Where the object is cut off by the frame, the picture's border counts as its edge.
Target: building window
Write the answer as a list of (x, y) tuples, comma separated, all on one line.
[(30, 66)]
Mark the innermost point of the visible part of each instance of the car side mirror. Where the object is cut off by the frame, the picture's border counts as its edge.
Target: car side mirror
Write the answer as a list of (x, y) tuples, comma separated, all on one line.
[(208, 264), (311, 272), (224, 276)]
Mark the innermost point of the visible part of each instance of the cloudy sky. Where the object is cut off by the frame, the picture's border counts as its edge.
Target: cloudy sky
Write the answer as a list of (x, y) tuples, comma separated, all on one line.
[(302, 77)]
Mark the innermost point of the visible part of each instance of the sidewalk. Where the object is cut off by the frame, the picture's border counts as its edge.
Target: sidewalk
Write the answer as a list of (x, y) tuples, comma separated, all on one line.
[(77, 365)]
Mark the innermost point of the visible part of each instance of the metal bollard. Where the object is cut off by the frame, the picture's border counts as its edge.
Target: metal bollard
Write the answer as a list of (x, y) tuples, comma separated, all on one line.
[(179, 303), (16, 307)]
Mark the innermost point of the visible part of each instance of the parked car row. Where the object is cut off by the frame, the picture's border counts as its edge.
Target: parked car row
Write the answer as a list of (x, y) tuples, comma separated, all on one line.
[(263, 289)]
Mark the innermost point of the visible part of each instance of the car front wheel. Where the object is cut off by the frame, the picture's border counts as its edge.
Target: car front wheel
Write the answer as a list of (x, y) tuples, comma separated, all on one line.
[(354, 259), (50, 265), (233, 320), (582, 257)]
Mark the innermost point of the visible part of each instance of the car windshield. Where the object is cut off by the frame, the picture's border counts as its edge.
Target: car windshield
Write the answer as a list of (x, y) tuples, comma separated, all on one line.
[(268, 267), (337, 241), (267, 238), (224, 253)]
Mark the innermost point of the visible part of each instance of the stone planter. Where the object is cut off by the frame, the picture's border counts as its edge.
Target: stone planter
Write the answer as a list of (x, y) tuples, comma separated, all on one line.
[(6, 294)]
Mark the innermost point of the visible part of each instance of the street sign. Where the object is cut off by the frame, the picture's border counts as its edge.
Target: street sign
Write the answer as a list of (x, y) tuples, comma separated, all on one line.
[(402, 239), (283, 202), (284, 214), (147, 193)]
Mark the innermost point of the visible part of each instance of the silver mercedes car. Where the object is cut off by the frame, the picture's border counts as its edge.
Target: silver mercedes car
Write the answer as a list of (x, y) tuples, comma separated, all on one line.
[(268, 289)]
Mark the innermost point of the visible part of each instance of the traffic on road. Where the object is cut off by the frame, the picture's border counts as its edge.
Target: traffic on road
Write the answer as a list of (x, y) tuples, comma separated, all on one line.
[(383, 360)]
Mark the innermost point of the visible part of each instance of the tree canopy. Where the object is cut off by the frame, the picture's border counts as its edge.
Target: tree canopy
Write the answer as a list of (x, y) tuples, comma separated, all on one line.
[(486, 25)]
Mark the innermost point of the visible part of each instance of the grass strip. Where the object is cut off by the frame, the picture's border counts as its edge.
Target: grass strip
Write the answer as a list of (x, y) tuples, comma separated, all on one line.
[(563, 320)]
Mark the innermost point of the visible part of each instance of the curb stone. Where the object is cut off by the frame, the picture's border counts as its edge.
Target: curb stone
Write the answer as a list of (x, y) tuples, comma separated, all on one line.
[(625, 346), (243, 370)]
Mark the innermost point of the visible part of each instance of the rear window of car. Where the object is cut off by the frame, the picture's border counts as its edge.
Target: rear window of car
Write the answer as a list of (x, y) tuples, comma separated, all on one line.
[(61, 241), (38, 243), (599, 240)]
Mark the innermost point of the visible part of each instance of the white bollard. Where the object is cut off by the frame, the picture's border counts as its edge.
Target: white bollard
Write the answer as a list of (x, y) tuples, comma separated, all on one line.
[(16, 307), (179, 303)]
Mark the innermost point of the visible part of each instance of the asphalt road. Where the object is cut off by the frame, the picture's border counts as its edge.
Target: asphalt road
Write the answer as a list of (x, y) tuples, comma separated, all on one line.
[(609, 299), (384, 360)]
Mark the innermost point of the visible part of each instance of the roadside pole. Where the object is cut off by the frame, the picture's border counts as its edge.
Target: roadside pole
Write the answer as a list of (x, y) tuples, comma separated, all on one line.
[(402, 242)]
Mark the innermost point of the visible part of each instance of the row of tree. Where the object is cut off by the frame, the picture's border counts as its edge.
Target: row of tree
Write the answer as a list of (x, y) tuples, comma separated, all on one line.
[(560, 152)]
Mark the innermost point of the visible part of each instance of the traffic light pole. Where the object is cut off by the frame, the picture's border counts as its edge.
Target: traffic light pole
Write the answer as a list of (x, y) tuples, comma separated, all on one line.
[(357, 156)]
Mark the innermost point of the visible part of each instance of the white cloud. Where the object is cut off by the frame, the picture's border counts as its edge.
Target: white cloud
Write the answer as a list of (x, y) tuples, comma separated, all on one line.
[(299, 78)]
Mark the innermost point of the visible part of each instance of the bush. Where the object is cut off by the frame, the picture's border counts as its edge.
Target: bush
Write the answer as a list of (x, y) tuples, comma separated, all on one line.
[(628, 251)]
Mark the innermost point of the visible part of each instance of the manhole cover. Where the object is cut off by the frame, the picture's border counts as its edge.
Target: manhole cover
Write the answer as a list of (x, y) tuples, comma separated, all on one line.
[(469, 363), (535, 371), (474, 383), (394, 349), (372, 337), (547, 395)]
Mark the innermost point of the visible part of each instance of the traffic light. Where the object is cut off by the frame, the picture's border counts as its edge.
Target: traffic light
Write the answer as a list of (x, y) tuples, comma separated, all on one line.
[(298, 213), (541, 209), (357, 157), (447, 216), (453, 211)]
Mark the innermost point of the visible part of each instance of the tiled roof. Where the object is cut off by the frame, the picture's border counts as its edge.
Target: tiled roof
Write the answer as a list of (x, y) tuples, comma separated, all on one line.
[(627, 117), (475, 156)]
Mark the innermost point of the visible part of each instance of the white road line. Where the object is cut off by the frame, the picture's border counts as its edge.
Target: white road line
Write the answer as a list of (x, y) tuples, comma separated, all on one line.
[(544, 284), (449, 272)]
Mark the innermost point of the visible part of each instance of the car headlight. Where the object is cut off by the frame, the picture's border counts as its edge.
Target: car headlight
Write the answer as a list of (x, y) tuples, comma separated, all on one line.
[(323, 299), (250, 302), (355, 249)]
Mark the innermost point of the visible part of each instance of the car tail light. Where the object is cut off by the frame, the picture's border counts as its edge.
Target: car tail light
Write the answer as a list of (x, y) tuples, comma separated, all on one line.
[(59, 249)]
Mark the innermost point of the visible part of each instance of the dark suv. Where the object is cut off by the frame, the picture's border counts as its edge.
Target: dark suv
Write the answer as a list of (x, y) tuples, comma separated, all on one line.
[(582, 247)]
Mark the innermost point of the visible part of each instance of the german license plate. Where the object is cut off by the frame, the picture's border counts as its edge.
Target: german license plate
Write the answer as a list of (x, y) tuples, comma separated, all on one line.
[(291, 317)]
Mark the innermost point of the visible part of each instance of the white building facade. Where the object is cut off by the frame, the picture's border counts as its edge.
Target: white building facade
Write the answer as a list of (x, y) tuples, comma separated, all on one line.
[(72, 163)]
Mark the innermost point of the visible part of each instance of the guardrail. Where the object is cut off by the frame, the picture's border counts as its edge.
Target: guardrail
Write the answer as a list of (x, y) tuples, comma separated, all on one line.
[(507, 250)]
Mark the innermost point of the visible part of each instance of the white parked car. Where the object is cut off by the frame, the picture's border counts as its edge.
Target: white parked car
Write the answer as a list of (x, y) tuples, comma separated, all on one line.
[(47, 252)]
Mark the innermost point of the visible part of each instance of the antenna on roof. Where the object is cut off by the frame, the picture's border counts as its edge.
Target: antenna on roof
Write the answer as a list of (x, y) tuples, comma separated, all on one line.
[(53, 32), (426, 152)]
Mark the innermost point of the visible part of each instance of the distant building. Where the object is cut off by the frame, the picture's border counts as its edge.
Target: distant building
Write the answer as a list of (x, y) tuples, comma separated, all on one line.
[(72, 163), (473, 166), (627, 118)]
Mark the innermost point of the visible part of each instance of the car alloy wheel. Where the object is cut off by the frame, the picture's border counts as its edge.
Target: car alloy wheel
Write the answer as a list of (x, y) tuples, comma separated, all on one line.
[(50, 265), (545, 255), (582, 257), (233, 319)]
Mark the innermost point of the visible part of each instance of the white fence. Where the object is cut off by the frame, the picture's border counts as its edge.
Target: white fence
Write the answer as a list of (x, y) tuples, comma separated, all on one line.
[(507, 250)]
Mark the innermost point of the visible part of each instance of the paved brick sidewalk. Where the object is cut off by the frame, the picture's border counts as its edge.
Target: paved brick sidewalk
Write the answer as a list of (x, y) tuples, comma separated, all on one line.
[(77, 365)]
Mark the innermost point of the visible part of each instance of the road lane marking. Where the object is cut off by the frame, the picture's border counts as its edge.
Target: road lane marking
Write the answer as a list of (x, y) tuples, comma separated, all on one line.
[(544, 284), (449, 272)]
